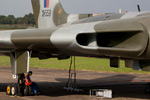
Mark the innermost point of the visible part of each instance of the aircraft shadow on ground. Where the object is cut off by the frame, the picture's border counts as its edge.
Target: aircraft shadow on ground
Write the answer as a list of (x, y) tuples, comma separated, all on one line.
[(121, 88)]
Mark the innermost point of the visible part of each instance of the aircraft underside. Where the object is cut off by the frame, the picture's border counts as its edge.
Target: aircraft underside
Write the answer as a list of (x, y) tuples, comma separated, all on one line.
[(61, 35), (126, 38)]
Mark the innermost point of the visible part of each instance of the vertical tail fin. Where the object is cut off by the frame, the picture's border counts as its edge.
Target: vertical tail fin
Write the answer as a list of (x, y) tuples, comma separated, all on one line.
[(48, 13)]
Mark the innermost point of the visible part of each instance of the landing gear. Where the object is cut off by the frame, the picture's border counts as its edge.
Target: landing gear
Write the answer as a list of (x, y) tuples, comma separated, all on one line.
[(19, 89), (19, 66)]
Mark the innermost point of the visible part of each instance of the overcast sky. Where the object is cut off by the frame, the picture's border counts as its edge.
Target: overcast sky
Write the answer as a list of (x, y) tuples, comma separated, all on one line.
[(21, 7)]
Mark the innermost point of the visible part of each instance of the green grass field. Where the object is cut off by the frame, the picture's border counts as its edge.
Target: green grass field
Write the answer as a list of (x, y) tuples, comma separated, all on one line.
[(82, 63)]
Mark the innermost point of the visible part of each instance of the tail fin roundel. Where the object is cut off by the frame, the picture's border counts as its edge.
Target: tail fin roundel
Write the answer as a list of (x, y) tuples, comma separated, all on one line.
[(48, 13)]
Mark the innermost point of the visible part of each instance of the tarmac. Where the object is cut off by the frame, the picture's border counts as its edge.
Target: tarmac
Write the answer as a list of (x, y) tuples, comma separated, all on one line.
[(51, 84)]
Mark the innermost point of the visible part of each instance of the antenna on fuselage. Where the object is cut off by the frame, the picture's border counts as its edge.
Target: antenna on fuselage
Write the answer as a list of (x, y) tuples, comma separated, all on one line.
[(139, 9)]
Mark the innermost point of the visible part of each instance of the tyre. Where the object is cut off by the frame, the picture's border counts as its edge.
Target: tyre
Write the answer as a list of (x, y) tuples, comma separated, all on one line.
[(26, 90), (147, 88), (14, 90), (20, 90), (30, 91), (8, 90)]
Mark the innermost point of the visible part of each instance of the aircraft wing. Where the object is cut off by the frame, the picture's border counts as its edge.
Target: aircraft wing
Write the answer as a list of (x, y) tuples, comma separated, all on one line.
[(124, 38), (61, 35)]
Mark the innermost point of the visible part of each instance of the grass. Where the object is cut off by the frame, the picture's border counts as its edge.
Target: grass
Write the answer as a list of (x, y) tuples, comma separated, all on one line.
[(12, 27), (82, 63)]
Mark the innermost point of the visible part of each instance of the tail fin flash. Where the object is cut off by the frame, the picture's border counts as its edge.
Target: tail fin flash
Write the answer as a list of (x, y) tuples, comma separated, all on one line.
[(48, 13)]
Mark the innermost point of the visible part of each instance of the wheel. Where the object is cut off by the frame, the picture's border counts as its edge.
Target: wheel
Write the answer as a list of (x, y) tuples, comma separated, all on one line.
[(26, 90), (147, 89), (30, 91), (14, 90), (8, 90), (20, 90)]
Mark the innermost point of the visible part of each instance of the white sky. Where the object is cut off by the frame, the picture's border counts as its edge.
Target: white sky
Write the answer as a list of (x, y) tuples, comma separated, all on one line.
[(22, 7)]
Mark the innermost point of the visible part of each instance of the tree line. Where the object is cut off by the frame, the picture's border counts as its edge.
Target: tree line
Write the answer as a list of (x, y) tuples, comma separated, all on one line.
[(28, 19)]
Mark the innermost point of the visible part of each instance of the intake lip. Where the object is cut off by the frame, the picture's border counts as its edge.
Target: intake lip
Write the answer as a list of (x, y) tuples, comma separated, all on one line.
[(121, 43)]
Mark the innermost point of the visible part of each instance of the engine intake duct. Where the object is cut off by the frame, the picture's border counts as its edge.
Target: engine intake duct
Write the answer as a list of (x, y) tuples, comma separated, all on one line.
[(114, 39), (115, 43), (123, 37), (107, 39)]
